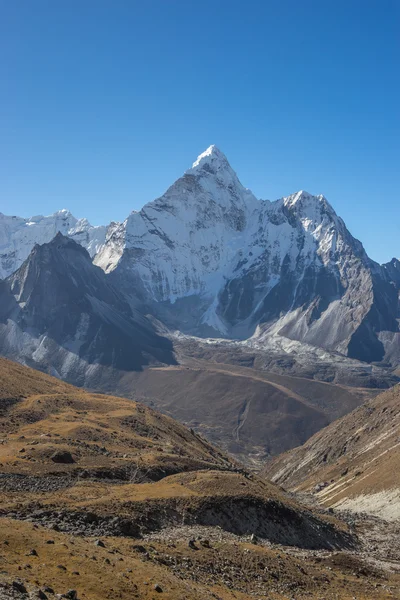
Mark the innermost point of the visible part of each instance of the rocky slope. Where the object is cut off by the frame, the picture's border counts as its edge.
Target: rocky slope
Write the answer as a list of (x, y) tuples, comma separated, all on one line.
[(354, 463), (101, 497), (58, 311), (65, 453)]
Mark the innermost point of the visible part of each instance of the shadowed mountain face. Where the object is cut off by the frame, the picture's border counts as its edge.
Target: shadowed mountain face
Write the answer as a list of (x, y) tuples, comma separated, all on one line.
[(59, 309)]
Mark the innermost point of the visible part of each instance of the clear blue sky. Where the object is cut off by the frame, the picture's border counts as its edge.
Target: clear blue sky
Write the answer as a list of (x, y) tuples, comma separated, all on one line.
[(105, 103)]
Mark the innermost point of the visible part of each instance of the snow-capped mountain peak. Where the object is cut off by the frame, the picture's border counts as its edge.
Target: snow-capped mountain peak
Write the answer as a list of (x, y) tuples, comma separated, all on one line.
[(213, 164), (305, 200), (212, 155), (18, 236), (209, 258), (63, 212)]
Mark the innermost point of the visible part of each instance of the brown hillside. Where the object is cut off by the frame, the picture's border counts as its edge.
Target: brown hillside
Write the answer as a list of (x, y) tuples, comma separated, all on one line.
[(353, 463), (76, 451), (17, 381), (75, 467), (249, 413)]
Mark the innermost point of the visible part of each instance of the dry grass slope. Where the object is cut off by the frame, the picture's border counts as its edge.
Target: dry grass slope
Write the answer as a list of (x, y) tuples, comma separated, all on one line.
[(76, 466), (354, 462)]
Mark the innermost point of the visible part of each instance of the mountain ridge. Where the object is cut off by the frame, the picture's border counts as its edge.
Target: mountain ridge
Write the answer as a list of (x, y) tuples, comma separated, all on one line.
[(59, 310), (209, 259), (19, 235)]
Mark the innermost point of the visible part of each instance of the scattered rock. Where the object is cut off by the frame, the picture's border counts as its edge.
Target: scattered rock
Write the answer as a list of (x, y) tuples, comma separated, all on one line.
[(320, 486), (100, 543), (17, 585), (139, 548), (253, 538), (63, 457), (158, 588), (48, 589)]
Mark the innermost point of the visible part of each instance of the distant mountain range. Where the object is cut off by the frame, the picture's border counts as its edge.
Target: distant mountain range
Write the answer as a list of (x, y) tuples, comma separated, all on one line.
[(209, 259)]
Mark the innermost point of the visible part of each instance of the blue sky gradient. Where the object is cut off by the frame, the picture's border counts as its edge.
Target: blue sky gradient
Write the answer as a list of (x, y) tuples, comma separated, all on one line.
[(105, 103)]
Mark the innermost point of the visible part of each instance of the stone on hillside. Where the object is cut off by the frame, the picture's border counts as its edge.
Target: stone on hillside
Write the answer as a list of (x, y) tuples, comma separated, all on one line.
[(63, 457), (17, 585)]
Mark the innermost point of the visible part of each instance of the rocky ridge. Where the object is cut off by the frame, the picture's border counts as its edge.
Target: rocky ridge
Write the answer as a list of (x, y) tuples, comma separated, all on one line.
[(60, 313)]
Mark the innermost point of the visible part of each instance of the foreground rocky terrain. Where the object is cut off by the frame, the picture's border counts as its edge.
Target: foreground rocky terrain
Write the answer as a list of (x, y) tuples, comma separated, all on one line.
[(354, 463), (101, 497), (188, 563)]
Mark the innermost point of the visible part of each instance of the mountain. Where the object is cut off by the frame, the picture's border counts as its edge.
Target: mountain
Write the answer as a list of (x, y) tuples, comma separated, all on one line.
[(63, 315), (393, 270), (58, 311), (106, 497), (209, 259), (352, 464), (18, 236), (282, 288)]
